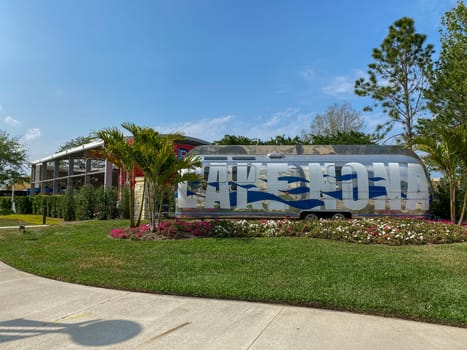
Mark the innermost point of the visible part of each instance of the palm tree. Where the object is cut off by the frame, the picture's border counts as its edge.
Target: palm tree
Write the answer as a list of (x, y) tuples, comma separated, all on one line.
[(446, 152), (120, 152), (154, 154)]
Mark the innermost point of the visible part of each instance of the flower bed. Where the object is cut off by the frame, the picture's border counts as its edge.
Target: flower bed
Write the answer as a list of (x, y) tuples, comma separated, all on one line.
[(391, 231)]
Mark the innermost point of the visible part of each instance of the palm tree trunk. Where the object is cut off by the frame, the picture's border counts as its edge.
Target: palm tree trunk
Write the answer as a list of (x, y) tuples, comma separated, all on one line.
[(151, 206), (464, 205), (161, 203), (132, 205), (452, 199), (132, 197), (142, 204)]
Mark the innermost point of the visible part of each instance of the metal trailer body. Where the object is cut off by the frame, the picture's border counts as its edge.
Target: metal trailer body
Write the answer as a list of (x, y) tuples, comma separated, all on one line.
[(305, 181)]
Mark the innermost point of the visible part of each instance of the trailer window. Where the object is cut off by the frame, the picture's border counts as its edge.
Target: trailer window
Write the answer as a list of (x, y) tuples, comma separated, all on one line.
[(243, 158), (215, 158)]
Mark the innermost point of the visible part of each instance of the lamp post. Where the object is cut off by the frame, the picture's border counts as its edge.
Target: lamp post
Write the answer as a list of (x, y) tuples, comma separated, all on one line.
[(13, 207)]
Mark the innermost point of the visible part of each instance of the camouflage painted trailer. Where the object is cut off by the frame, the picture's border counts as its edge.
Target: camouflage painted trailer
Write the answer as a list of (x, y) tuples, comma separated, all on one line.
[(305, 181)]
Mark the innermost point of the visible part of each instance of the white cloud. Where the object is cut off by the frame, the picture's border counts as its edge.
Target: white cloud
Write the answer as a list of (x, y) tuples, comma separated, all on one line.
[(343, 86), (208, 129), (10, 121), (279, 117), (32, 134), (307, 74), (289, 122), (339, 86)]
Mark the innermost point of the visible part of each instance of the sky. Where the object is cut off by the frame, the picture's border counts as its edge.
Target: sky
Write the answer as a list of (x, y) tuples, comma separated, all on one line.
[(206, 68)]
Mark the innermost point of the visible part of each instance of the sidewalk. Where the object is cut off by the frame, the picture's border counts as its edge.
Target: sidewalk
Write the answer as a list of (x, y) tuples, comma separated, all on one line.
[(38, 313)]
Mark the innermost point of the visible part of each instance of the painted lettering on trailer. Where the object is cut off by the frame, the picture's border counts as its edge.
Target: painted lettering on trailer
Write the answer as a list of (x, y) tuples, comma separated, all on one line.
[(279, 186)]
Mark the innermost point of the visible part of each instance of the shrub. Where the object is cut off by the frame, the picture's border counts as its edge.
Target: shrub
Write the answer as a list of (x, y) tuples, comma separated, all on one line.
[(5, 205), (440, 202), (23, 205), (112, 203), (106, 203), (134, 233), (5, 211), (85, 203), (68, 206), (124, 208)]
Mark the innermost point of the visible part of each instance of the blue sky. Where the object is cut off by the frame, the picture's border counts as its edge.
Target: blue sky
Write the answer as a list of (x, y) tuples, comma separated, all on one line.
[(202, 67)]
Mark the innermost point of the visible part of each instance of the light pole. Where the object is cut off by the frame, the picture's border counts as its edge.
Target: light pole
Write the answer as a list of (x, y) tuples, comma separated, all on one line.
[(13, 207)]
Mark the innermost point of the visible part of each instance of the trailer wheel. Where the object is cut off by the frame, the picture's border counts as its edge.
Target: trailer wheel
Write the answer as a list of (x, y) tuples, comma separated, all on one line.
[(311, 216), (338, 216)]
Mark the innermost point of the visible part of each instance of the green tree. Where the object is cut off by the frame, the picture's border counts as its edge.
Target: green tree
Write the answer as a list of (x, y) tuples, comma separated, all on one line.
[(447, 100), (460, 140), (237, 140), (78, 141), (447, 95), (282, 140), (154, 154), (343, 138), (338, 118), (119, 151), (12, 159), (397, 78), (446, 152)]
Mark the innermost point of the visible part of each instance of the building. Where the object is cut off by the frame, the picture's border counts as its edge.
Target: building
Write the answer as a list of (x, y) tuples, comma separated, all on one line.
[(73, 168)]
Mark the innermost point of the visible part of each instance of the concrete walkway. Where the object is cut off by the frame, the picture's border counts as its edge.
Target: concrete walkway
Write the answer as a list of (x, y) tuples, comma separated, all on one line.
[(38, 313)]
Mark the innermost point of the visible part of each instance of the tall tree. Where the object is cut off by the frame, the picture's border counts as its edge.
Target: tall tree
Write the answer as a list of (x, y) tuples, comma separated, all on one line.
[(447, 95), (397, 78), (338, 118), (447, 100), (12, 159)]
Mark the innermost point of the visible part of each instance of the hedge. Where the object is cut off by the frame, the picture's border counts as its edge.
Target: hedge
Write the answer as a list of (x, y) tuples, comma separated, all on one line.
[(87, 203)]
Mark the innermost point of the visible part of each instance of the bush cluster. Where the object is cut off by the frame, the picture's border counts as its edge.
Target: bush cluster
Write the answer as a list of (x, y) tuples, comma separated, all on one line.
[(87, 203), (5, 205), (389, 231)]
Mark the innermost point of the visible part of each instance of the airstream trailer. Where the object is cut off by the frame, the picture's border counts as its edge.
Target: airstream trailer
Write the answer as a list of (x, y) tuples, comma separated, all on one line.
[(305, 182)]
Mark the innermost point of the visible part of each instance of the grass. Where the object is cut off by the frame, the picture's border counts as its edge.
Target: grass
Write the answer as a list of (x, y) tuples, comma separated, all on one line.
[(427, 283), (26, 219)]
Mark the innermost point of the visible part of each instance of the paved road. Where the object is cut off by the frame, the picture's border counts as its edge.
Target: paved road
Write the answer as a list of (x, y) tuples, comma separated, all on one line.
[(38, 313)]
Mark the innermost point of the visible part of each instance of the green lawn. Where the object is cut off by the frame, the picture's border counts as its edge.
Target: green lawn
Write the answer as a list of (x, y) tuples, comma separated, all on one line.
[(25, 219), (426, 283)]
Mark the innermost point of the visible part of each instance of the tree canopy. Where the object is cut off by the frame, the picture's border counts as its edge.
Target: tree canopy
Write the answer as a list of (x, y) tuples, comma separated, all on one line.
[(398, 77), (237, 140), (243, 140), (447, 95), (338, 118), (444, 136), (77, 141), (12, 159), (343, 138)]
